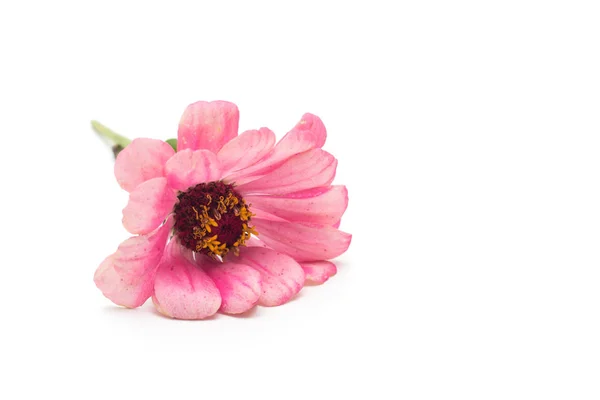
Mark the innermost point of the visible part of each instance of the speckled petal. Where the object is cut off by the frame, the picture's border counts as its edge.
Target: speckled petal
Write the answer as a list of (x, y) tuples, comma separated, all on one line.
[(182, 289), (307, 170), (188, 168), (148, 206), (141, 160), (318, 271), (246, 149), (253, 241), (126, 277), (239, 285), (325, 208), (207, 125), (309, 133), (282, 277), (303, 242)]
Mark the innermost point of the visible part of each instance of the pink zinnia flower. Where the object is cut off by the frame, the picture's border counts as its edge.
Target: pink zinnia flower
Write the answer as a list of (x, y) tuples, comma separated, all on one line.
[(196, 213)]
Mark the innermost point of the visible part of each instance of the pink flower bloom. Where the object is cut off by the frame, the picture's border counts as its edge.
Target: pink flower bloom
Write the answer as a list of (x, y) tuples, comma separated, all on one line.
[(196, 214)]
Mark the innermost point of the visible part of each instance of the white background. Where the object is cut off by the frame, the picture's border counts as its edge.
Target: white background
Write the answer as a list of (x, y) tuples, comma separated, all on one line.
[(467, 133)]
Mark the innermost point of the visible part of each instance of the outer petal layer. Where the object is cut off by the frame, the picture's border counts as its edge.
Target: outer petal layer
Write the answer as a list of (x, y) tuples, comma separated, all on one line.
[(282, 277), (246, 149), (207, 125), (308, 134), (182, 289), (303, 242), (325, 208), (148, 206), (188, 168), (313, 168), (141, 160), (126, 277), (318, 271), (239, 285)]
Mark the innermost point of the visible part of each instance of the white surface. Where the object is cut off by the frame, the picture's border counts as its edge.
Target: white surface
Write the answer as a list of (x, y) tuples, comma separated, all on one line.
[(467, 133)]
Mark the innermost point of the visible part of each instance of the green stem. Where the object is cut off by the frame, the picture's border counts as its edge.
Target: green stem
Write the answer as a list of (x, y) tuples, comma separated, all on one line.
[(110, 135)]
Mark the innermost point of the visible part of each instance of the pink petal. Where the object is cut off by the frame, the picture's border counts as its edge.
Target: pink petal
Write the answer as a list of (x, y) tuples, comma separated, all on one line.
[(258, 213), (325, 208), (188, 168), (303, 194), (246, 149), (127, 276), (303, 242), (313, 168), (318, 271), (308, 134), (239, 285), (182, 289), (282, 277), (310, 129), (208, 125), (141, 160), (149, 204), (253, 241)]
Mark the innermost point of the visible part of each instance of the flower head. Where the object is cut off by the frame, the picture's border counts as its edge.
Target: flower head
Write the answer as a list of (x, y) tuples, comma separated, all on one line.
[(228, 221)]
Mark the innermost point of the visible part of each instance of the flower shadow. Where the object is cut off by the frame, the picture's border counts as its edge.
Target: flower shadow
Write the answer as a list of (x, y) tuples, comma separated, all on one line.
[(156, 312), (114, 309)]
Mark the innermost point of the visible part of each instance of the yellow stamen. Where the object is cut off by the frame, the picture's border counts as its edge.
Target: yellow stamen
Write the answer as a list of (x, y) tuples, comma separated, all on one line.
[(245, 214), (249, 229), (231, 200), (221, 207), (199, 233)]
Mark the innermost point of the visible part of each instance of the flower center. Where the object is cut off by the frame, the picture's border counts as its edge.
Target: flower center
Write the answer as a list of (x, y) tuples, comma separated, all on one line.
[(212, 219)]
